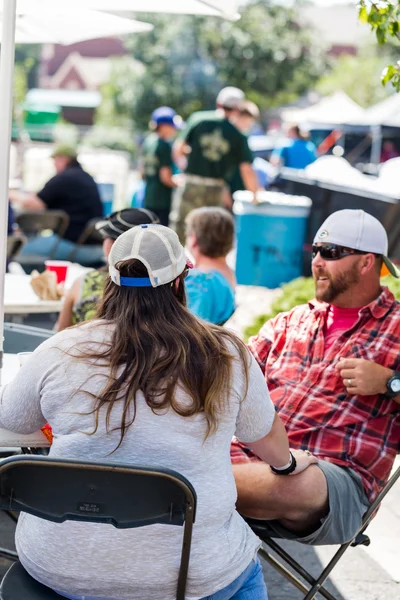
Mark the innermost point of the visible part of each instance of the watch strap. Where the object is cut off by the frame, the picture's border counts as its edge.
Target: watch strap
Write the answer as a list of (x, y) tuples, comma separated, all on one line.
[(390, 392), (288, 470)]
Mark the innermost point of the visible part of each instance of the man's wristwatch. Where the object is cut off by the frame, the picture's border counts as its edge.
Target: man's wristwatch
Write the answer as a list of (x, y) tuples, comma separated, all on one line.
[(286, 470), (393, 385)]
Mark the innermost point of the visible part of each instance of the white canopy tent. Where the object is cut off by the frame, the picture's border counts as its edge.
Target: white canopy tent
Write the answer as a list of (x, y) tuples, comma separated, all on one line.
[(227, 9), (337, 109), (385, 113), (36, 21)]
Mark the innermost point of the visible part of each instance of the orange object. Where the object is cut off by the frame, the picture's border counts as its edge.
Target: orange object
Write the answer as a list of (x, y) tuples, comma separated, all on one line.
[(48, 432), (329, 142)]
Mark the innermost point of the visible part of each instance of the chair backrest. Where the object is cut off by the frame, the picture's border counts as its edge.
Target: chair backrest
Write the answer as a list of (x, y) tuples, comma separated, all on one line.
[(33, 223), (15, 243), (125, 496), (23, 338), (90, 233)]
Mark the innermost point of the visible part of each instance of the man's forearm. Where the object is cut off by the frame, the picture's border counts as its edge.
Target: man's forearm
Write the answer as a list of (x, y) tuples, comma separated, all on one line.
[(28, 201), (249, 177)]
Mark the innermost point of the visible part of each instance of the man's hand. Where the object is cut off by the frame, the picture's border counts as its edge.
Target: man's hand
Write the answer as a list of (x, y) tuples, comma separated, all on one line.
[(363, 377)]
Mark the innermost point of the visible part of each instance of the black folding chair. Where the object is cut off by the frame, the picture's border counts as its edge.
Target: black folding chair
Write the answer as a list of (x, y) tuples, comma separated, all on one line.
[(23, 338), (125, 496), (15, 243), (33, 223), (89, 235), (316, 585)]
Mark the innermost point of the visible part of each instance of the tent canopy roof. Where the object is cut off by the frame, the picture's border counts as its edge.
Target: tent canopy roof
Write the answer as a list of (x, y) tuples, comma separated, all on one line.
[(336, 109)]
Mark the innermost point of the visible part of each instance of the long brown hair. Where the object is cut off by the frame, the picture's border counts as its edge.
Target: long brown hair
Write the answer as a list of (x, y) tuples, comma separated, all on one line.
[(160, 344)]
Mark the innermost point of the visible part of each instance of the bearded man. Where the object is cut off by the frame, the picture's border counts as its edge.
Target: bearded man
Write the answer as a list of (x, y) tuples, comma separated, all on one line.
[(333, 371)]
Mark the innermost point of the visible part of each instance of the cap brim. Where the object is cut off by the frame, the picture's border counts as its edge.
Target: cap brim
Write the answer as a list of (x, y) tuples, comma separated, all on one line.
[(103, 227), (388, 268)]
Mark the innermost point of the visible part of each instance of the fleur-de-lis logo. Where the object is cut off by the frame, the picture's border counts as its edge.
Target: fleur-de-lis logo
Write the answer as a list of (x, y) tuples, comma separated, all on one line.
[(214, 145), (151, 163)]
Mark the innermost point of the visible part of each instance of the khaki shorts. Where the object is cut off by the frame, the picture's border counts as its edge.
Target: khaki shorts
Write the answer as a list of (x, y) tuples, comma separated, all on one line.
[(347, 505), (192, 196)]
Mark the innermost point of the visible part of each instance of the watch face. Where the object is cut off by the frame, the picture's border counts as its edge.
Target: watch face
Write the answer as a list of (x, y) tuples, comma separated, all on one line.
[(395, 385)]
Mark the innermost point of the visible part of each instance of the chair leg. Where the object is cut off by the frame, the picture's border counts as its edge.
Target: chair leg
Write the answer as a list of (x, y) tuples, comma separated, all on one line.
[(298, 569), (9, 554), (317, 587)]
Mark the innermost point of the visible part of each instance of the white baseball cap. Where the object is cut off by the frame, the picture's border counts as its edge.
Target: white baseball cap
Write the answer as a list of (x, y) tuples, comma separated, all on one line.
[(157, 247), (230, 97), (357, 230)]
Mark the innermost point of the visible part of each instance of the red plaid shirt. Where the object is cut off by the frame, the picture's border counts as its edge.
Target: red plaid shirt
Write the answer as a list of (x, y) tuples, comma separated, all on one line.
[(361, 432)]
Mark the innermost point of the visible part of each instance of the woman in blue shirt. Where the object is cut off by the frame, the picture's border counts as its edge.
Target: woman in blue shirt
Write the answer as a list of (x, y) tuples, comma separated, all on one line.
[(298, 153), (210, 286)]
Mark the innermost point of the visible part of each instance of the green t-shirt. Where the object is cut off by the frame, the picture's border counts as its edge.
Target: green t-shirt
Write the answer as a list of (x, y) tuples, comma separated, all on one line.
[(156, 154), (217, 146)]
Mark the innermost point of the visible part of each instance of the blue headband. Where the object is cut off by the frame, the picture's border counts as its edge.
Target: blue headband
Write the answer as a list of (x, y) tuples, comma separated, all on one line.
[(135, 282)]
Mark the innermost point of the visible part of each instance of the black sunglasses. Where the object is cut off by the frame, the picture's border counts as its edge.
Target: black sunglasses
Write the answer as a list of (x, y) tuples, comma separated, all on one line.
[(334, 252)]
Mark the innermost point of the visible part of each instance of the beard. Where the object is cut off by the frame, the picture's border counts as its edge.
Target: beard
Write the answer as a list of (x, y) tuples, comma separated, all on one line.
[(337, 284)]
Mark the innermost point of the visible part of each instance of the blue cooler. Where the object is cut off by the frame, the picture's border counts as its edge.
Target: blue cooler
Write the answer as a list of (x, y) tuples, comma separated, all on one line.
[(106, 191), (270, 237)]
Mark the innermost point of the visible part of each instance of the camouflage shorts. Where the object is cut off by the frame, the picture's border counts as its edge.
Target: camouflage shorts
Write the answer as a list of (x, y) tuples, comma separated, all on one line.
[(192, 196)]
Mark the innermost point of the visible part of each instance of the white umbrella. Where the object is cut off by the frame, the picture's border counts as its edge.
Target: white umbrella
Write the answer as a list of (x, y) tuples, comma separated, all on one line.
[(219, 8), (36, 21)]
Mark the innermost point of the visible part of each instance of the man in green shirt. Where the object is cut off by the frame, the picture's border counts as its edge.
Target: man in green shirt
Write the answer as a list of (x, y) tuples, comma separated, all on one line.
[(245, 117), (212, 148), (157, 162)]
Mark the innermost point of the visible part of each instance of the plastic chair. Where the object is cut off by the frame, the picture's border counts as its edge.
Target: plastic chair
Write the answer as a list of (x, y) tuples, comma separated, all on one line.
[(15, 243), (316, 585), (121, 495), (33, 223), (88, 235), (23, 338)]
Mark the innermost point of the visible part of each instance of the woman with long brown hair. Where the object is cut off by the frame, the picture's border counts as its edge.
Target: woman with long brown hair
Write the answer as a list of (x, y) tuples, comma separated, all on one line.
[(147, 383)]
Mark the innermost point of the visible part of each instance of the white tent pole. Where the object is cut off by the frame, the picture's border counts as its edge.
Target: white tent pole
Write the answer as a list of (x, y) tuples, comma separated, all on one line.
[(6, 103), (376, 146)]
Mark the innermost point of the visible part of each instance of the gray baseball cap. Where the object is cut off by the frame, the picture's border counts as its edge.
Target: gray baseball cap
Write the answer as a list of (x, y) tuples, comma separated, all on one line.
[(358, 230), (230, 97)]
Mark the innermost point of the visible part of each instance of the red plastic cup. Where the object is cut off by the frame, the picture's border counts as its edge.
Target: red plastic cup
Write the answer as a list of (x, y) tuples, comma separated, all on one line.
[(59, 267)]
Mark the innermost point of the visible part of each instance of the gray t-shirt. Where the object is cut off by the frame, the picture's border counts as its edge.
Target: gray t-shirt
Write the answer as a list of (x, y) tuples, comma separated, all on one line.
[(133, 564)]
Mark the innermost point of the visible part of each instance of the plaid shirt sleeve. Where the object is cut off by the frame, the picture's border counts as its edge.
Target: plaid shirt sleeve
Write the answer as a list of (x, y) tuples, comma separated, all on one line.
[(260, 345)]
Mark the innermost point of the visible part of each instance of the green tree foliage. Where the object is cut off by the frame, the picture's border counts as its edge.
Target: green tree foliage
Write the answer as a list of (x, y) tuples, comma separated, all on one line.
[(357, 76), (188, 59), (384, 18), (300, 291)]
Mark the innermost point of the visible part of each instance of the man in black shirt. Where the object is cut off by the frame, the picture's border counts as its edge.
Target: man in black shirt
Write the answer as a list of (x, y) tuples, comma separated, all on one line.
[(73, 191)]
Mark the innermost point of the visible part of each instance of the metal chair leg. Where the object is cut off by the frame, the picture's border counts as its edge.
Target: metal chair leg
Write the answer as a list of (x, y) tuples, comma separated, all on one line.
[(9, 554), (297, 568)]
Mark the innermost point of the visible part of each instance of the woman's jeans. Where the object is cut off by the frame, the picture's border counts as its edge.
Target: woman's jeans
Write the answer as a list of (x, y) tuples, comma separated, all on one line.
[(249, 585), (86, 255)]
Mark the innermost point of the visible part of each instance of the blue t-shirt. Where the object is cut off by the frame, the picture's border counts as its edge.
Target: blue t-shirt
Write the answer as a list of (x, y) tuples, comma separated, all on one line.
[(298, 154), (210, 296)]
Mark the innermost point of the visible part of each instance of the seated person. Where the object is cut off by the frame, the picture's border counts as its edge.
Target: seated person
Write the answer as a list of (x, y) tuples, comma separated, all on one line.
[(332, 368), (210, 286), (75, 192), (80, 303), (147, 383)]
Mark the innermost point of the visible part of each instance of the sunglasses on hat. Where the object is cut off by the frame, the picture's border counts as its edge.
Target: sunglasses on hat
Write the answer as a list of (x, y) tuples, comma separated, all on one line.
[(334, 252)]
